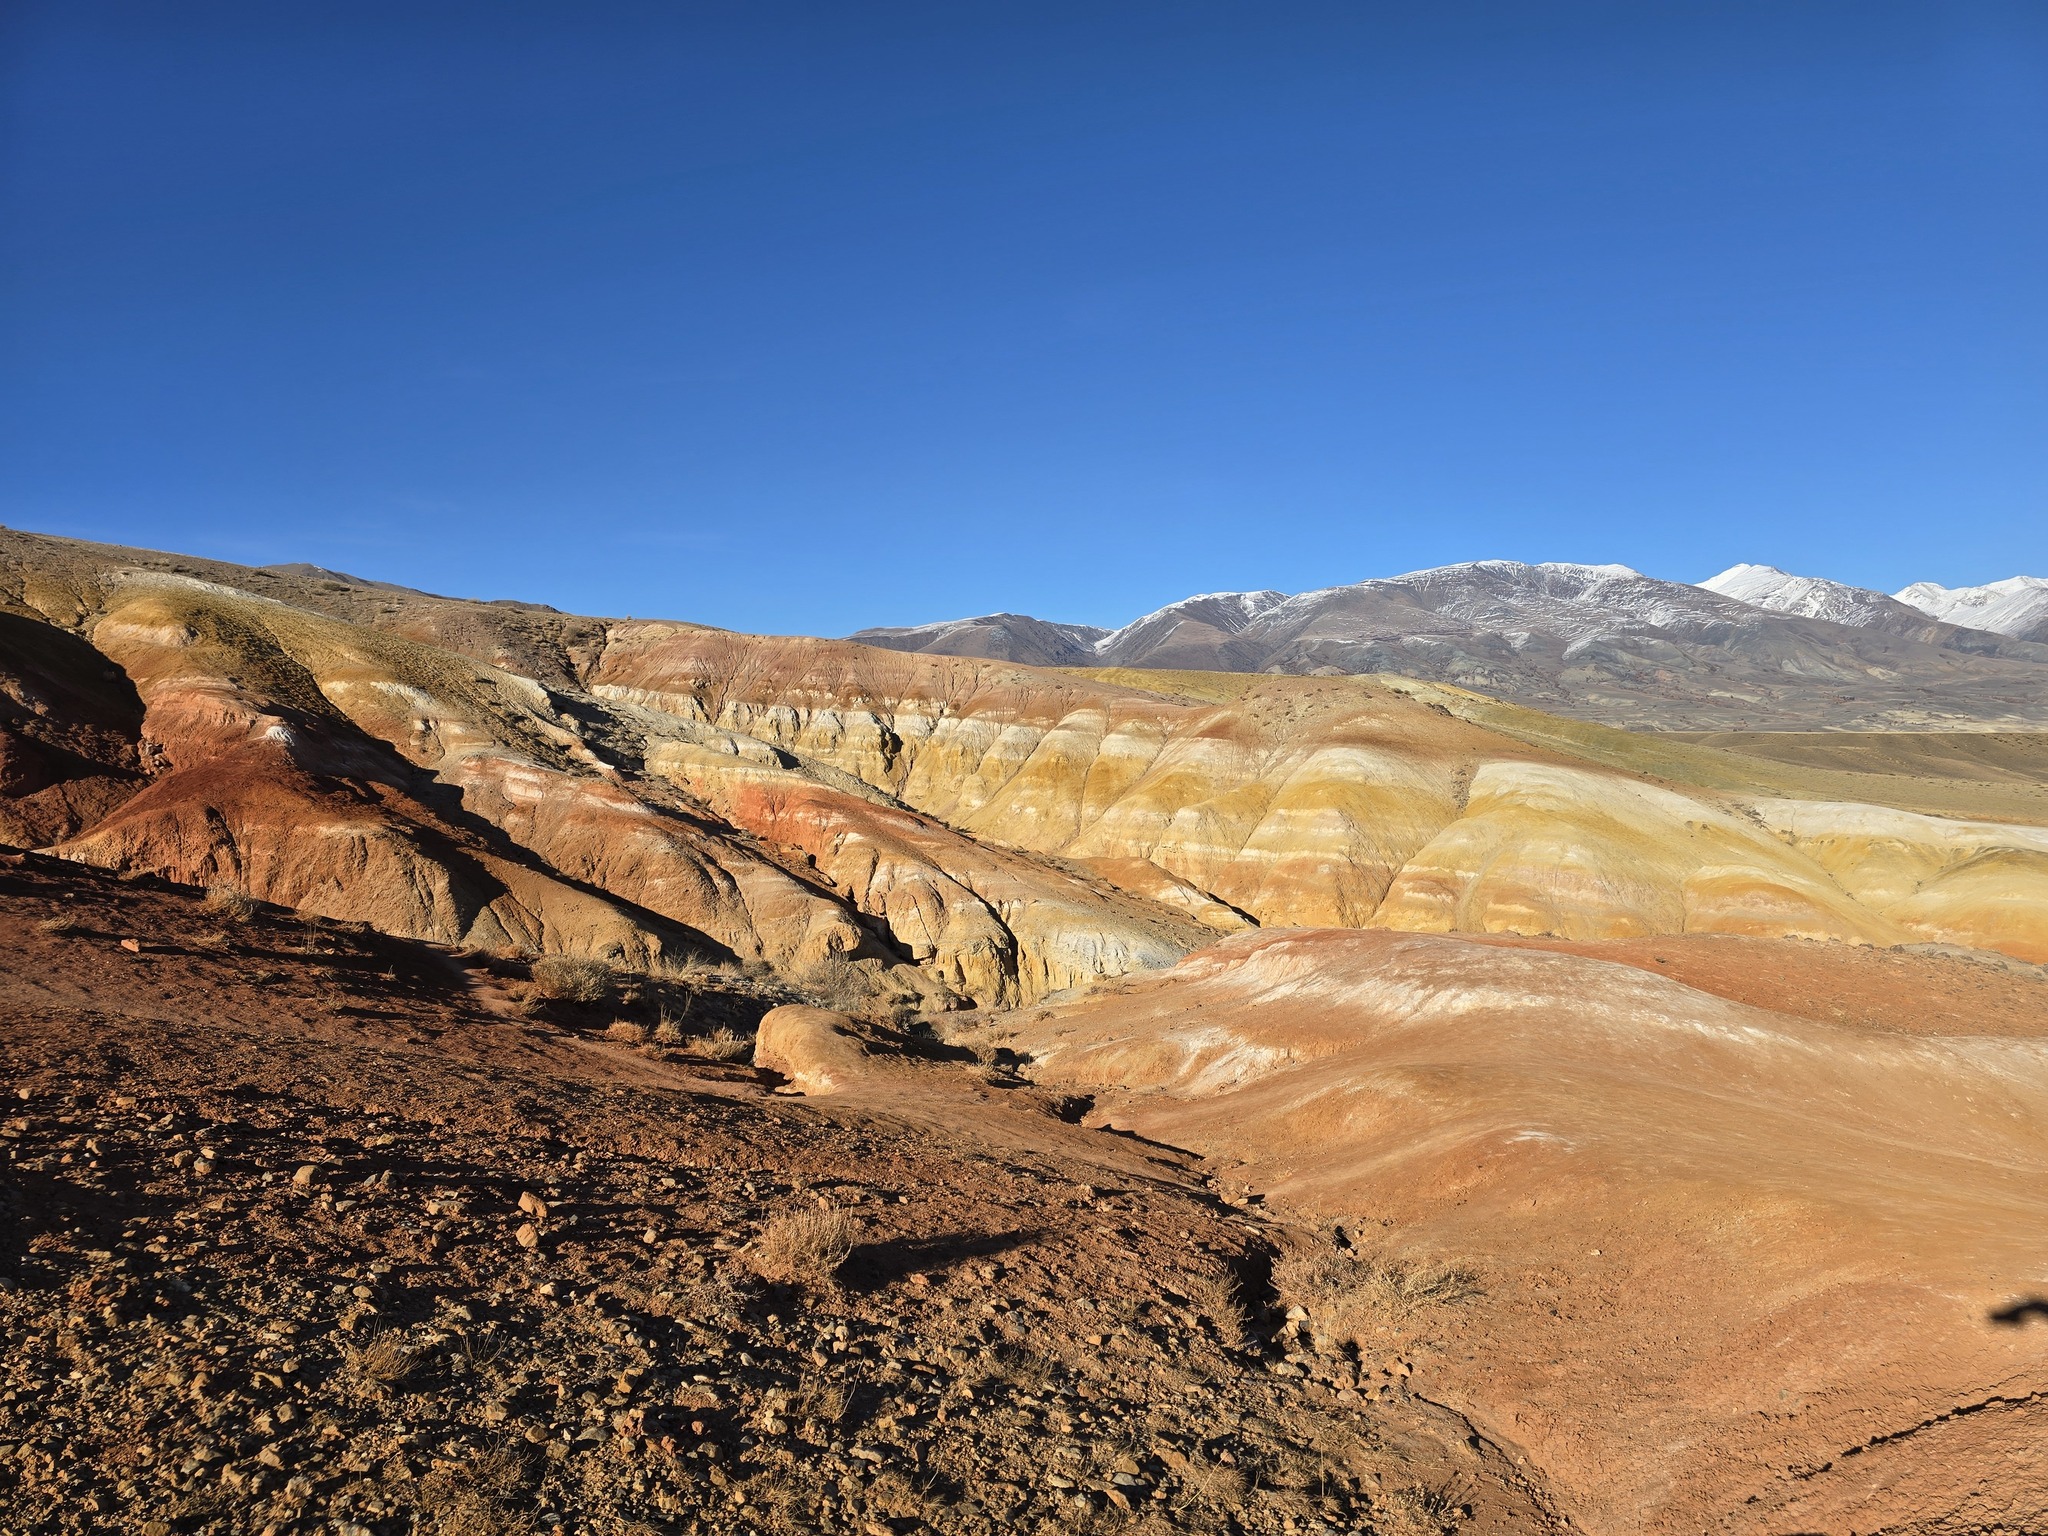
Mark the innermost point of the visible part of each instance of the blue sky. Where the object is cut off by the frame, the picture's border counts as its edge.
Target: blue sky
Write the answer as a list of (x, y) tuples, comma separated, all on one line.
[(805, 317)]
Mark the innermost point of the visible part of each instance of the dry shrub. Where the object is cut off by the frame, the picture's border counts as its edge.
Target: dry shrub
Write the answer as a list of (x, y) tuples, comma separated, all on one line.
[(668, 1031), (473, 1500), (1355, 1299), (1212, 1483), (1214, 1295), (217, 941), (236, 906), (804, 1247), (896, 1497), (565, 979), (626, 1033), (63, 922), (818, 1401), (722, 1045), (1416, 1512), (385, 1361)]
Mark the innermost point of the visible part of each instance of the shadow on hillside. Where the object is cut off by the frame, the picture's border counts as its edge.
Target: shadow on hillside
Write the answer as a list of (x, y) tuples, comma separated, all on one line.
[(874, 1265)]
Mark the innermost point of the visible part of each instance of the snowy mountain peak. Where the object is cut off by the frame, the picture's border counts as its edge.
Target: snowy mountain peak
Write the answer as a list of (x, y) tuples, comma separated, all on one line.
[(1229, 612), (2017, 606), (1811, 597)]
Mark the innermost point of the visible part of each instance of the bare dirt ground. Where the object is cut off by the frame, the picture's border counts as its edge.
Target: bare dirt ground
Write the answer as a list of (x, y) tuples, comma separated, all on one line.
[(1916, 990), (311, 1230)]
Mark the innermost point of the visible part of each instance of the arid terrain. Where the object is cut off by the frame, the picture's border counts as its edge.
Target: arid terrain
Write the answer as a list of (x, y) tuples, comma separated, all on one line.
[(478, 1068)]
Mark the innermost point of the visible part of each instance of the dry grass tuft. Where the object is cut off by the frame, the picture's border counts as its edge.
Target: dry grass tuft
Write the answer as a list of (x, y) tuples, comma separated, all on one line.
[(385, 1361), (565, 979), (818, 1401), (237, 906), (669, 1031), (626, 1033), (1212, 1483), (1359, 1300), (1214, 1295), (1416, 1512), (804, 1247), (474, 1500), (722, 1045), (714, 1300), (63, 922)]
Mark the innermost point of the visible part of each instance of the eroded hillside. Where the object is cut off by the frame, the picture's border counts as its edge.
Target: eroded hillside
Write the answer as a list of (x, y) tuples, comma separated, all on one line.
[(923, 831), (1578, 1128)]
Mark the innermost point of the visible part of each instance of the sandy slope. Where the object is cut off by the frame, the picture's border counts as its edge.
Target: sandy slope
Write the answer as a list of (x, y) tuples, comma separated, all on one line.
[(1741, 1266)]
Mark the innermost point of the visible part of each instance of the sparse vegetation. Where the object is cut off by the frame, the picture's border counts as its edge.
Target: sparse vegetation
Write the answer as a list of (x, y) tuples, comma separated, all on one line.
[(385, 1361), (475, 1500), (1354, 1298), (722, 1045), (236, 906), (1214, 1295), (63, 922), (804, 1247), (626, 1032), (567, 979), (1416, 1512)]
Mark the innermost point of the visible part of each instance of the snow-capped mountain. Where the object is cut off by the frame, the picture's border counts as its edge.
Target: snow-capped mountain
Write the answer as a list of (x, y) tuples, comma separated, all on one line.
[(1198, 627), (1815, 597), (2017, 606), (1754, 647)]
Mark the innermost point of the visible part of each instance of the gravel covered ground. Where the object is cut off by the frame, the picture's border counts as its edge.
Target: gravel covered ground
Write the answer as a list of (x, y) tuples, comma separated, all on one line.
[(307, 1230)]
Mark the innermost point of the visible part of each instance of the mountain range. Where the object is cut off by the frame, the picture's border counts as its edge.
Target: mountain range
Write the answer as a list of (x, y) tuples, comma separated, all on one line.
[(1752, 648)]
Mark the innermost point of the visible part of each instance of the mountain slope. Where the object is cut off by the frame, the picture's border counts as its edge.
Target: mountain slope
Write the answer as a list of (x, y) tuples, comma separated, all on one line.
[(2017, 606), (1000, 636), (1604, 643), (1815, 597)]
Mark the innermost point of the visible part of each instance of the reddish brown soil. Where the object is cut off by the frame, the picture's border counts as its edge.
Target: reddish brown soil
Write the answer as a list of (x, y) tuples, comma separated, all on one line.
[(1040, 1327)]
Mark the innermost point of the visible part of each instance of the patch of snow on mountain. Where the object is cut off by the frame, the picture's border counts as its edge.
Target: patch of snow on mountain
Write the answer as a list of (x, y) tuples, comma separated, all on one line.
[(1227, 611), (1811, 597), (2017, 606)]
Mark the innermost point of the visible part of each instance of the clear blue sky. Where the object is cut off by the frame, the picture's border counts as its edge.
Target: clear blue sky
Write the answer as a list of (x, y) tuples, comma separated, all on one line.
[(804, 317)]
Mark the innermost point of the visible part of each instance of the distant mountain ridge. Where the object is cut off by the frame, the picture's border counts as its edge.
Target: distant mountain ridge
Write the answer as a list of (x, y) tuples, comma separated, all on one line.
[(1752, 648), (2017, 606)]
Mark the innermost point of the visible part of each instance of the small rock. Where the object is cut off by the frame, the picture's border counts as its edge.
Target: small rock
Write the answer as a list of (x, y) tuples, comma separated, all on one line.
[(133, 946), (303, 1179), (533, 1205), (527, 1236)]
